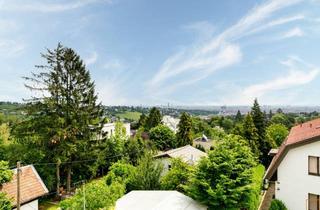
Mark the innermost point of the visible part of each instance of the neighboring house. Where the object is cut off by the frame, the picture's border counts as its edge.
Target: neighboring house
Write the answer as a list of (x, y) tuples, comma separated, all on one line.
[(31, 188), (206, 143), (157, 200), (109, 129), (294, 173), (171, 122), (187, 153)]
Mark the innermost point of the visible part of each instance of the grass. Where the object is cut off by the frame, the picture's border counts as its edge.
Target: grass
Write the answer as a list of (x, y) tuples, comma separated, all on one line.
[(129, 115), (48, 206)]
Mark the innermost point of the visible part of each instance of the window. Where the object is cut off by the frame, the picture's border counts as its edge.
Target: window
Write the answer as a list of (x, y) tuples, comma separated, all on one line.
[(314, 166), (313, 202)]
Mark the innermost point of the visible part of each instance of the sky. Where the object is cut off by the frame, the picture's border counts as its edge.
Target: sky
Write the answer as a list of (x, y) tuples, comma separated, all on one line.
[(142, 52)]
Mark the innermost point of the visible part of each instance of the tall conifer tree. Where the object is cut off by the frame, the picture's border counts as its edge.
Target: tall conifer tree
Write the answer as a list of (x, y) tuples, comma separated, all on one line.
[(183, 135)]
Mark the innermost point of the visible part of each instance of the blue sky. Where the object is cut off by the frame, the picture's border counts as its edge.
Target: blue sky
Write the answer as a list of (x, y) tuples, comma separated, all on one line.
[(143, 52)]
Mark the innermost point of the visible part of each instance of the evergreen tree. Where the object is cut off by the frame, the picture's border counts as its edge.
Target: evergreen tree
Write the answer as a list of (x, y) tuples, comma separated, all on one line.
[(154, 119), (184, 135), (250, 133), (238, 117), (64, 116), (259, 122), (142, 120)]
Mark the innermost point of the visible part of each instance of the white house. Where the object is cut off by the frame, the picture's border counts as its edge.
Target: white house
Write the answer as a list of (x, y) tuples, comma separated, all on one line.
[(171, 122), (187, 153), (157, 200), (294, 172), (32, 188), (109, 129)]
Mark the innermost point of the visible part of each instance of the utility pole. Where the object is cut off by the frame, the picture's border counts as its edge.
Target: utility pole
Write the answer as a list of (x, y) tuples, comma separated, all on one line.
[(18, 185)]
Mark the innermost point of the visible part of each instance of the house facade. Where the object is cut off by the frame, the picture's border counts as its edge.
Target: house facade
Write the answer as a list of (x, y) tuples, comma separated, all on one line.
[(295, 169), (109, 129)]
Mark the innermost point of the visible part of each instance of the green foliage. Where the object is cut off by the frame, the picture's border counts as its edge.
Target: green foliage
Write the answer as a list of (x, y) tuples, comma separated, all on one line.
[(259, 120), (5, 203), (5, 172), (184, 134), (4, 133), (163, 137), (277, 205), (223, 122), (177, 177), (120, 172), (277, 133), (224, 179), (98, 195), (238, 118), (147, 174), (64, 124), (142, 120), (257, 182), (250, 133), (281, 118), (154, 119), (5, 176)]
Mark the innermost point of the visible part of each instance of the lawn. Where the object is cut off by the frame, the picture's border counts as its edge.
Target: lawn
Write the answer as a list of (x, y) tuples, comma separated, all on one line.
[(48, 206), (129, 115)]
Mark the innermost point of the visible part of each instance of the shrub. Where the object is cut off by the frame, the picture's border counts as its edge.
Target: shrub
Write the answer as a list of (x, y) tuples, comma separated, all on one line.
[(5, 203), (257, 182), (97, 194), (277, 205)]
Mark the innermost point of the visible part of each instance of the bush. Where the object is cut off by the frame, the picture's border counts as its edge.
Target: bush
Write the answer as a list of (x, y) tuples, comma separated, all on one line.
[(257, 182), (163, 137), (277, 205), (5, 203), (98, 196)]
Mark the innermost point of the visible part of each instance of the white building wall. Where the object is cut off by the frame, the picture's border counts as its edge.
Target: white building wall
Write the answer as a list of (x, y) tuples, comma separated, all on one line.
[(33, 205), (294, 182), (110, 129)]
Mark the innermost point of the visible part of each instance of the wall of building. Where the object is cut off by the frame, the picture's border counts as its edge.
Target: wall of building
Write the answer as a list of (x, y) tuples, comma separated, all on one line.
[(294, 183), (109, 128), (30, 206)]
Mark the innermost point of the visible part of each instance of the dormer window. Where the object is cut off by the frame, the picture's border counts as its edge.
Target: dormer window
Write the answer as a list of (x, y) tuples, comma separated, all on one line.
[(313, 165)]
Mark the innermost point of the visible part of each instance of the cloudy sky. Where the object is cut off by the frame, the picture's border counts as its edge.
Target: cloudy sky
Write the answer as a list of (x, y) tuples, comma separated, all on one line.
[(171, 51)]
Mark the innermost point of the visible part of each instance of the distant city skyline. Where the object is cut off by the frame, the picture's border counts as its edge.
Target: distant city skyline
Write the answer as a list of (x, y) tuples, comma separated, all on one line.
[(178, 52)]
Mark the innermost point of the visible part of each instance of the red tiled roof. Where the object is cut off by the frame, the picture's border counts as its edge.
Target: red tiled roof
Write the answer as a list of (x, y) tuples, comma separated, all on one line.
[(299, 134), (31, 184)]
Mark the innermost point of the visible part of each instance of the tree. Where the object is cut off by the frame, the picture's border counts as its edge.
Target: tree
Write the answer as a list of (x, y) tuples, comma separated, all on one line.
[(281, 118), (5, 176), (260, 123), (64, 116), (238, 118), (154, 119), (250, 133), (184, 135), (142, 120), (147, 175), (277, 133), (177, 177), (163, 137), (223, 180)]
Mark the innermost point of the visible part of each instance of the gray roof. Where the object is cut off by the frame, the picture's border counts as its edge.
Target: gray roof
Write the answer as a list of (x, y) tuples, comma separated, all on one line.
[(157, 200), (187, 153)]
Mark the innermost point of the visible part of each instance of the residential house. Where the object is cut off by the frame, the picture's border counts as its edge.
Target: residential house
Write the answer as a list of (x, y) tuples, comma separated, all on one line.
[(31, 188), (187, 153), (157, 200), (109, 129), (171, 122), (294, 173), (203, 141)]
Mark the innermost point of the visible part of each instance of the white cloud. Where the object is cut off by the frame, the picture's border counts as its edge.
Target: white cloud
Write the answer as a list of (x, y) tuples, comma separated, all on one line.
[(114, 64), (295, 32), (42, 6), (200, 60), (92, 59)]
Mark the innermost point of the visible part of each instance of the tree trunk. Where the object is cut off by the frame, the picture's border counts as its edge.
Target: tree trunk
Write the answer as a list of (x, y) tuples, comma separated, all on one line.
[(69, 179), (58, 179)]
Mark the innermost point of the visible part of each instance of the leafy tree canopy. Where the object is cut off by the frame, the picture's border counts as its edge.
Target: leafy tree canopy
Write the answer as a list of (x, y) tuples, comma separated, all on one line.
[(163, 137)]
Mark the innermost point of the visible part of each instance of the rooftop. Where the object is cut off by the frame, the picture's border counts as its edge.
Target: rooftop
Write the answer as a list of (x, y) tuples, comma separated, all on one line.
[(32, 186)]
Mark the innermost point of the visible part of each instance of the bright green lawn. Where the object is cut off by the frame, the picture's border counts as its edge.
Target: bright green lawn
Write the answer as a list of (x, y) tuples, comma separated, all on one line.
[(48, 206), (129, 115)]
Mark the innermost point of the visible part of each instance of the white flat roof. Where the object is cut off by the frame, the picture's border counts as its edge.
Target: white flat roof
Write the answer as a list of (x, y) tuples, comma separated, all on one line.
[(157, 200)]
